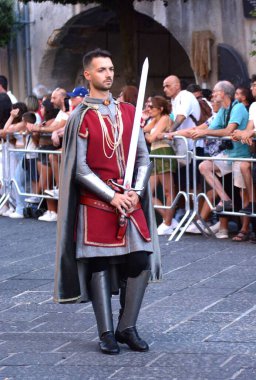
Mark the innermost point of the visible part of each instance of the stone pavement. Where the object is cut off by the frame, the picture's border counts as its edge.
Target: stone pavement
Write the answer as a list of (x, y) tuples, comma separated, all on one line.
[(200, 320)]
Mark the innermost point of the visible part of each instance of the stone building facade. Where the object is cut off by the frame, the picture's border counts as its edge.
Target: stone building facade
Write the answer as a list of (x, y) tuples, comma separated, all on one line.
[(198, 40)]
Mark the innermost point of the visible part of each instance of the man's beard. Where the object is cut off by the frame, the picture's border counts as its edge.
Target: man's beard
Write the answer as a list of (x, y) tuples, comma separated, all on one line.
[(102, 87)]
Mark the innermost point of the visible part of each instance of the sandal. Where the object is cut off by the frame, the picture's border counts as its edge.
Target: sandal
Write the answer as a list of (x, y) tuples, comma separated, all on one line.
[(241, 236)]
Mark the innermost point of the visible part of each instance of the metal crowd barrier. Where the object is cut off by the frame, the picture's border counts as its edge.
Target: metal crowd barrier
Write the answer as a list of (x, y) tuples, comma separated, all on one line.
[(30, 181), (194, 194), (181, 193), (202, 194), (22, 174)]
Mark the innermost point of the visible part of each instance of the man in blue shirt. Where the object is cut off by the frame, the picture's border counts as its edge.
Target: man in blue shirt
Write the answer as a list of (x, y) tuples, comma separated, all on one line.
[(231, 116)]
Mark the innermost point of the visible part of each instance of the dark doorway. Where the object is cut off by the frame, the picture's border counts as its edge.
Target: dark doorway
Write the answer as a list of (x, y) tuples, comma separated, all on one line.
[(98, 27)]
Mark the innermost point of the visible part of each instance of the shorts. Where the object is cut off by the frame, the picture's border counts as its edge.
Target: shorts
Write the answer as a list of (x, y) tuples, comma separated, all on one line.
[(162, 165), (44, 157), (226, 167)]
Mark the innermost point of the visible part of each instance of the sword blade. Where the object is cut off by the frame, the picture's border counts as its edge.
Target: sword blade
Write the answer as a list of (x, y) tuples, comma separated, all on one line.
[(136, 127)]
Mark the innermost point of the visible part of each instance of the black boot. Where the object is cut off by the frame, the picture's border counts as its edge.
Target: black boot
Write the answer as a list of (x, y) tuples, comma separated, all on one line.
[(108, 344), (131, 337), (101, 302), (126, 331)]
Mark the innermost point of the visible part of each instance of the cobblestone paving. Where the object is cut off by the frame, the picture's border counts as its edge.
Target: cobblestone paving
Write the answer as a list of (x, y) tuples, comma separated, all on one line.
[(200, 320)]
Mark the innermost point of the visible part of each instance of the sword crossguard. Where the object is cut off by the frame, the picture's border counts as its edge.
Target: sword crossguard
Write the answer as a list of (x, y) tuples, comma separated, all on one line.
[(124, 188)]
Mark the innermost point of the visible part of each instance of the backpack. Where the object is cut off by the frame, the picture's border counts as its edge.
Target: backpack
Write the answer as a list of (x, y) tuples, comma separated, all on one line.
[(205, 112)]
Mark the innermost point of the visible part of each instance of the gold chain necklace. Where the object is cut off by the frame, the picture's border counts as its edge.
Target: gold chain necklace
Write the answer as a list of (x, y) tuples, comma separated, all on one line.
[(106, 139)]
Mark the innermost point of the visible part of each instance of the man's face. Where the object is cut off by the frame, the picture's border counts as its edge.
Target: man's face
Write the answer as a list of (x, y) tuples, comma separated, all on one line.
[(239, 95), (57, 99), (253, 89), (218, 94), (170, 87), (74, 101), (100, 74)]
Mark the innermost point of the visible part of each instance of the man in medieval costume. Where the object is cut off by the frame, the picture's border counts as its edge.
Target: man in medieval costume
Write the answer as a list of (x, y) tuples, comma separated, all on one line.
[(107, 241)]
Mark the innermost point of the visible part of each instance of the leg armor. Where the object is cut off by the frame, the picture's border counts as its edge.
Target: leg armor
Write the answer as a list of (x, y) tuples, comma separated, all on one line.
[(131, 298), (101, 302)]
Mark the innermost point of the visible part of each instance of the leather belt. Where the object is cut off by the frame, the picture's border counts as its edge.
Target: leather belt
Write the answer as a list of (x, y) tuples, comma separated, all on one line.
[(96, 203)]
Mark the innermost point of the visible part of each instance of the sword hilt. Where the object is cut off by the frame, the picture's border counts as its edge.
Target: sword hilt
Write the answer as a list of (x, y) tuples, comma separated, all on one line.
[(124, 188)]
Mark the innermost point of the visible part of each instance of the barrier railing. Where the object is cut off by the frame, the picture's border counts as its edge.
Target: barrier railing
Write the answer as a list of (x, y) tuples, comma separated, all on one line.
[(23, 173), (194, 194), (31, 179), (181, 189), (203, 194)]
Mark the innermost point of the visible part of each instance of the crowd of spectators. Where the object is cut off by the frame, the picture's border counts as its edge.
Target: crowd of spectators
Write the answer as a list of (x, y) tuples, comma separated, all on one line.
[(221, 123), (173, 122), (32, 129)]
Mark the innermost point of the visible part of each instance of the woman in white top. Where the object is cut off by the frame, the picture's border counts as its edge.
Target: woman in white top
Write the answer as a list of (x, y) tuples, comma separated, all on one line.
[(159, 112)]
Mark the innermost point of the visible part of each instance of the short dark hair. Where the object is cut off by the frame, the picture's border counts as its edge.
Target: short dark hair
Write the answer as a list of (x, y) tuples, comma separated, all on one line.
[(29, 117), (193, 87), (4, 82), (253, 78), (88, 57), (5, 108), (246, 92), (207, 93)]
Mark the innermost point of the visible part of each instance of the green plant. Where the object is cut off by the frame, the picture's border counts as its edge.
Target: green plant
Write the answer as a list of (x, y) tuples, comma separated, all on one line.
[(7, 20)]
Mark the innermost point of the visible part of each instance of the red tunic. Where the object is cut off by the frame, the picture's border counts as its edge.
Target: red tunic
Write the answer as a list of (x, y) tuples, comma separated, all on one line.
[(101, 224)]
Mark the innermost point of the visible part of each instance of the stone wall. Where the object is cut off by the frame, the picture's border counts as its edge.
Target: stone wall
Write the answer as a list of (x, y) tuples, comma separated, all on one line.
[(224, 18)]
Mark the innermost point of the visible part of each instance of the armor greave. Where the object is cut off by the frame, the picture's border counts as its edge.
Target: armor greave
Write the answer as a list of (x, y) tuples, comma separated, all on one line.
[(134, 293), (101, 301)]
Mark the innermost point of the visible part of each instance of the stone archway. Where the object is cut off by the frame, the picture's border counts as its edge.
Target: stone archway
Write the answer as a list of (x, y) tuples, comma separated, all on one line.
[(98, 27)]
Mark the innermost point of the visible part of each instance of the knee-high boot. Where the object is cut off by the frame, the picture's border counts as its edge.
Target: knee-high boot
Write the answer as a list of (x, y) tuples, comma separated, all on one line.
[(126, 331), (101, 302)]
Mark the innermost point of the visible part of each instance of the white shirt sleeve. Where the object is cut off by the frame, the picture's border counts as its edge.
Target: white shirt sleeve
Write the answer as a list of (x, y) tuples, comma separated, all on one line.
[(185, 104), (62, 116), (252, 111)]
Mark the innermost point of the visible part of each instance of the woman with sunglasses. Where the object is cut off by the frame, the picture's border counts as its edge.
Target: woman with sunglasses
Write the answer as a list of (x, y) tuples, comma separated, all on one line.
[(159, 112)]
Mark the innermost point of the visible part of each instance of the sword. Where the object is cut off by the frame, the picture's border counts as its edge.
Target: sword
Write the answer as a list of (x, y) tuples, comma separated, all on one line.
[(135, 136)]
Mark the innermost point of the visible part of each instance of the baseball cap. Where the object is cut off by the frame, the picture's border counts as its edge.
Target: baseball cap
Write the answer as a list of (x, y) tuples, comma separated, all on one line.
[(78, 91)]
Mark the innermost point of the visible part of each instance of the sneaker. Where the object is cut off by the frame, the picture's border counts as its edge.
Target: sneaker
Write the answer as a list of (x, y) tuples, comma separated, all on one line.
[(54, 216), (174, 223), (192, 228), (163, 229), (222, 234), (215, 227), (8, 212), (3, 209), (35, 200), (224, 206), (53, 193), (48, 216), (16, 215)]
